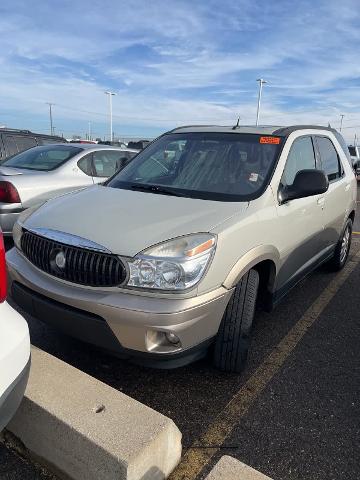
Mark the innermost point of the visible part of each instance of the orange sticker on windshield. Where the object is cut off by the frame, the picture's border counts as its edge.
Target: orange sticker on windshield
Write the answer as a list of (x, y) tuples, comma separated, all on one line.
[(272, 140)]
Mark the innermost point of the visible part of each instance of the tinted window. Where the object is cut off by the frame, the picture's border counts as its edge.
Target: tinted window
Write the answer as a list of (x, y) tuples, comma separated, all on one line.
[(352, 151), (108, 162), (85, 164), (329, 158), (301, 157), (43, 158), (215, 166)]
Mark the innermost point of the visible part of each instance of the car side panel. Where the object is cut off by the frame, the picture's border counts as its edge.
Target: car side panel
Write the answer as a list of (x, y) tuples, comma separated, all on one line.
[(340, 200)]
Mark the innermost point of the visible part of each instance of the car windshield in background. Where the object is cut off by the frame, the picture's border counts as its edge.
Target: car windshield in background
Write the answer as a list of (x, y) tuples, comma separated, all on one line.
[(213, 166), (45, 158)]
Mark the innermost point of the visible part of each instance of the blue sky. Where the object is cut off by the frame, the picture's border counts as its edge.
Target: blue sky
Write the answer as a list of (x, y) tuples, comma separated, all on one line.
[(178, 62)]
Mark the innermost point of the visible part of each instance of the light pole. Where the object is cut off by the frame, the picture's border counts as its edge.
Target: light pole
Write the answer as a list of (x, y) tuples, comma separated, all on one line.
[(261, 83), (110, 105), (89, 131), (51, 119), (341, 121)]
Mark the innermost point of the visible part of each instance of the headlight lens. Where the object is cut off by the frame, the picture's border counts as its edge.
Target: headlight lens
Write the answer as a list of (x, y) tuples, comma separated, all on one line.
[(174, 265), (17, 234)]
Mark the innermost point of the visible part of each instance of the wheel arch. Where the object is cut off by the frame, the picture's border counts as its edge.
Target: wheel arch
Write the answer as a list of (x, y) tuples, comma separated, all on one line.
[(263, 258)]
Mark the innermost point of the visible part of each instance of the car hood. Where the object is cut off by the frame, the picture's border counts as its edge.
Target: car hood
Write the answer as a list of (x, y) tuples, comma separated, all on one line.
[(126, 222)]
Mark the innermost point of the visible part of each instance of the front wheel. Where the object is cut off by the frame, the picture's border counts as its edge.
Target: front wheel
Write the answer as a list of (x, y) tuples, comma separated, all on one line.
[(233, 338), (342, 248)]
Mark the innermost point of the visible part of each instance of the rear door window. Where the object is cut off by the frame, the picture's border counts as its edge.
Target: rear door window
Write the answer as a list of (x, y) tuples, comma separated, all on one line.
[(329, 158), (85, 165), (108, 162)]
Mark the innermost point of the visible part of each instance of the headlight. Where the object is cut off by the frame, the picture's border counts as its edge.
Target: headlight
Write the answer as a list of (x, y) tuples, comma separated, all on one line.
[(173, 265), (17, 234)]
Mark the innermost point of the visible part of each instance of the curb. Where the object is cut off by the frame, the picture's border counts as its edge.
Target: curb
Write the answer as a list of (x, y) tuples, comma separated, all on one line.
[(228, 468), (80, 427)]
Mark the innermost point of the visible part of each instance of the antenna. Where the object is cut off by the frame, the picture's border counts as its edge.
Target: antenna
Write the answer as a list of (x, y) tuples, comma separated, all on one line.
[(237, 124)]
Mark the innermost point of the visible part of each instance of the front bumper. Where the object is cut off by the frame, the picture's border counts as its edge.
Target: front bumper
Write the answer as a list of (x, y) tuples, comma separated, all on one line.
[(123, 322), (11, 398)]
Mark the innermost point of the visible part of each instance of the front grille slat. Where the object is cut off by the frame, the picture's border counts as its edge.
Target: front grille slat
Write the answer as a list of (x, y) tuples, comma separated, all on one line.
[(83, 266)]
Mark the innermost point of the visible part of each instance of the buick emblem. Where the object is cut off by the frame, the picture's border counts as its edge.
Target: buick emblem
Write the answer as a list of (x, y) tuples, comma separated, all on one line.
[(60, 260)]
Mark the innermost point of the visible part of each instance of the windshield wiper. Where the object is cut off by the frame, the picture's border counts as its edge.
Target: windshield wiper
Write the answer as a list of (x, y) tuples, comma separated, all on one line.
[(155, 189)]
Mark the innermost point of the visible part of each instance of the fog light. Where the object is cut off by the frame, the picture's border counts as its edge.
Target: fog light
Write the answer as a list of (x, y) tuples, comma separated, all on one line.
[(172, 338)]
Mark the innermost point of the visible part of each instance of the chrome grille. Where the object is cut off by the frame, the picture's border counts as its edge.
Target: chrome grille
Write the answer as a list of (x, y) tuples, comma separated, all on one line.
[(81, 265)]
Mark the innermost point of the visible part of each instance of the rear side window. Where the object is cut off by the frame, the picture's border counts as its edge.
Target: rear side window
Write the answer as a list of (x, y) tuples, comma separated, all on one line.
[(301, 157), (329, 158), (345, 148)]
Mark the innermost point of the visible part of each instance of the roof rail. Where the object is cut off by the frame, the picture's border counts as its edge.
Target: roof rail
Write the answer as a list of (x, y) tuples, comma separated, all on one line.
[(292, 128), (191, 126)]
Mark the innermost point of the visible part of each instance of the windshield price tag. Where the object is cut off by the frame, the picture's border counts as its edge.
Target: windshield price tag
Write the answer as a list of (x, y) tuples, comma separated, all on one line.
[(271, 140)]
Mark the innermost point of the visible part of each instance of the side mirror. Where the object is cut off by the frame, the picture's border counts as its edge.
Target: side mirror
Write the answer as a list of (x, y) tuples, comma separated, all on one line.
[(306, 183)]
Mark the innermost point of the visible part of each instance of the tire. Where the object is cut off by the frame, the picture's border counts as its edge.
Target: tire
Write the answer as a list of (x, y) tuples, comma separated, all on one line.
[(233, 338), (342, 248)]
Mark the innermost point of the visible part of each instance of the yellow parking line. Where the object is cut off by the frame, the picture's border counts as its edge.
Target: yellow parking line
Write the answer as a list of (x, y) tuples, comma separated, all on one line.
[(209, 443), (356, 233)]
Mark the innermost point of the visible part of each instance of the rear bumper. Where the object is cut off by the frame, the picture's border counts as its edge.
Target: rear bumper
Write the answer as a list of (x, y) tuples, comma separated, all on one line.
[(125, 323), (11, 398), (8, 216)]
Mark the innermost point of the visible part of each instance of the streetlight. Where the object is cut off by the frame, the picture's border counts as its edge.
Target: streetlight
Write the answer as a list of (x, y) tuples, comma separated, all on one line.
[(341, 121), (51, 119), (261, 83), (110, 105)]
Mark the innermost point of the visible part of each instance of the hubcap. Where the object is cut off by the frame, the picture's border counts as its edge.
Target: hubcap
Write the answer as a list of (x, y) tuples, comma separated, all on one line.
[(345, 245)]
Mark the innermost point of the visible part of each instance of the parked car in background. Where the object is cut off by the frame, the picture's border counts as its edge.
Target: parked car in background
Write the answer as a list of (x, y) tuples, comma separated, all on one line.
[(114, 144), (32, 177), (354, 151), (14, 141), (138, 145), (188, 242), (14, 351)]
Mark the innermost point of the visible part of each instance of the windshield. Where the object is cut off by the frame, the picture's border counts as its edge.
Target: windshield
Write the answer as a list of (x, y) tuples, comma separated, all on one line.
[(213, 166), (45, 158)]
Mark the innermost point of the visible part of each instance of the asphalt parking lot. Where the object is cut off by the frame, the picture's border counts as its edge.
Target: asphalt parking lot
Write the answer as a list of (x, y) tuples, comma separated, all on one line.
[(293, 414)]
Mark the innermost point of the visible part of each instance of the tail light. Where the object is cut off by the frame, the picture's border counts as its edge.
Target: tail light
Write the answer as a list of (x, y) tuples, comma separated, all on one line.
[(8, 193), (3, 282)]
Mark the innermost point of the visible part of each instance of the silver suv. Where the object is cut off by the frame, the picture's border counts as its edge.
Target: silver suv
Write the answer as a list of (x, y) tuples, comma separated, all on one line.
[(170, 256)]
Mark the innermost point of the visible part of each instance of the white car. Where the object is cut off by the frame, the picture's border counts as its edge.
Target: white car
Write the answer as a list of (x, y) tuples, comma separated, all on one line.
[(14, 351)]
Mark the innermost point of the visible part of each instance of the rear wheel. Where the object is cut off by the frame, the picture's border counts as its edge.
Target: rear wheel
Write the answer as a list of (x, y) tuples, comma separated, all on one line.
[(233, 338), (342, 248)]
